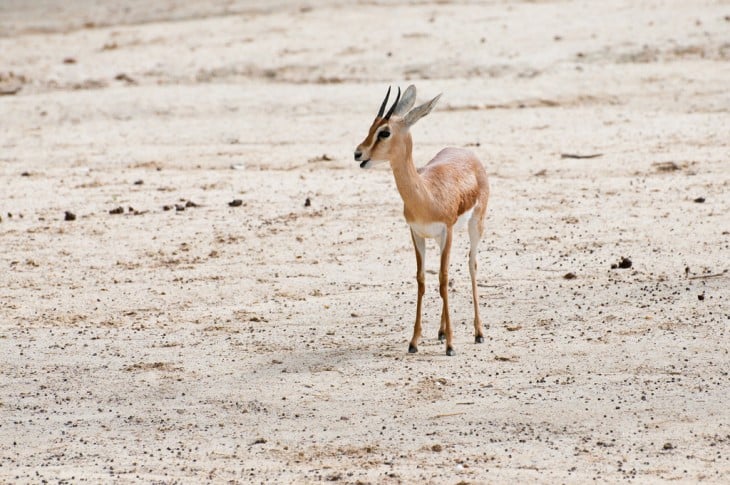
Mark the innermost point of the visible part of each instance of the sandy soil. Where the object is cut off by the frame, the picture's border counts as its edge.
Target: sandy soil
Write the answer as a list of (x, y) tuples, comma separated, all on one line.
[(267, 342)]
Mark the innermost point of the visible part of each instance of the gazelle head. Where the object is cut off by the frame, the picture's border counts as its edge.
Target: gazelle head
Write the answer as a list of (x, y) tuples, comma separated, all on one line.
[(389, 132)]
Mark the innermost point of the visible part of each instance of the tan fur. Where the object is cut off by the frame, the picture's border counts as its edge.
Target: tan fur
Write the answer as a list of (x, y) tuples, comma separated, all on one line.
[(453, 182)]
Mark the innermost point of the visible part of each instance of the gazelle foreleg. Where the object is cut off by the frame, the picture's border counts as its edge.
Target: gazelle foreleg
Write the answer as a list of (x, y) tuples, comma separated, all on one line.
[(475, 235), (419, 244), (444, 290)]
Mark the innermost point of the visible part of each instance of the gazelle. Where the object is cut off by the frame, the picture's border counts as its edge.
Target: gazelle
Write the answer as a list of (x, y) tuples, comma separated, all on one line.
[(450, 189)]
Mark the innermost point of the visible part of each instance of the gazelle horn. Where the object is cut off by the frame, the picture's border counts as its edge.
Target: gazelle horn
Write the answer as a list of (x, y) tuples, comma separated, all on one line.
[(385, 102), (392, 108)]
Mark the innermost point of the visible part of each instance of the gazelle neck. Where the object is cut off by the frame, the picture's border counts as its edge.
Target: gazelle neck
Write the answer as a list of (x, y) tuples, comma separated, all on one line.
[(410, 185)]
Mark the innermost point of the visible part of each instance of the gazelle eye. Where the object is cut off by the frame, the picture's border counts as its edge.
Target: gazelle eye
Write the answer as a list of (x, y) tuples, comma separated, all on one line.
[(384, 134)]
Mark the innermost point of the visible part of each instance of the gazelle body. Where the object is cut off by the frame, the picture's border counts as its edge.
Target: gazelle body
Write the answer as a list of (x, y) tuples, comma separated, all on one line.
[(450, 189)]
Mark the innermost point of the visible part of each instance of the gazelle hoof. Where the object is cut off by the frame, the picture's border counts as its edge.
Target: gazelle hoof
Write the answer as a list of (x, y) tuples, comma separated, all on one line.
[(450, 352), (412, 349), (442, 336), (479, 339)]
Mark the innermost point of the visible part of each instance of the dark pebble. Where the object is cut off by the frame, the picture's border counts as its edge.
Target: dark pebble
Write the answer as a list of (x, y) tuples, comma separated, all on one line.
[(179, 207), (307, 202), (139, 182), (190, 203), (118, 210), (569, 276), (69, 216), (166, 207), (700, 200), (701, 297), (235, 203), (625, 263)]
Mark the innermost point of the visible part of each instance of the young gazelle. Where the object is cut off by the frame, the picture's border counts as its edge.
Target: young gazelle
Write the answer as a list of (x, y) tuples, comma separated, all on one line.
[(450, 189)]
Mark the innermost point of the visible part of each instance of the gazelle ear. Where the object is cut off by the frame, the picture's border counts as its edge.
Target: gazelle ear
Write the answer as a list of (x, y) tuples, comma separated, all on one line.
[(406, 101), (419, 112)]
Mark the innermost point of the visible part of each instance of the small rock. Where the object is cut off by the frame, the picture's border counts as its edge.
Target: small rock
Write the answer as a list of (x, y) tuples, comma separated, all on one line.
[(125, 77), (166, 207), (437, 448), (179, 207), (190, 203), (118, 210), (625, 263), (69, 60), (668, 446), (701, 297), (25, 174), (139, 182), (69, 216), (307, 202), (259, 441), (569, 276), (235, 203), (700, 200)]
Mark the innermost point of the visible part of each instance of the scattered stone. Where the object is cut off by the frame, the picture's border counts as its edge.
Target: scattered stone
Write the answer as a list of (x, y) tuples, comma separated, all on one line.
[(307, 202), (69, 60), (25, 174), (701, 297), (700, 200), (668, 446), (624, 263), (179, 207), (139, 182), (125, 77), (69, 216), (235, 203), (569, 276), (190, 203), (259, 441), (666, 166), (322, 158), (118, 210), (437, 448), (166, 207)]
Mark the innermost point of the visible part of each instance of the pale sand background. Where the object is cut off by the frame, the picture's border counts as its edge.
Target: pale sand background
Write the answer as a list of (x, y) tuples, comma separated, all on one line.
[(267, 342)]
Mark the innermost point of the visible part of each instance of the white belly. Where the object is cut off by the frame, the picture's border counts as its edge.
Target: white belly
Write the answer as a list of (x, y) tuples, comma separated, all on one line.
[(437, 230), (429, 230)]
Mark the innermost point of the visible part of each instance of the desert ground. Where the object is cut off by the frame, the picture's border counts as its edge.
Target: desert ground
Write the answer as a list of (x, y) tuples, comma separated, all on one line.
[(159, 334)]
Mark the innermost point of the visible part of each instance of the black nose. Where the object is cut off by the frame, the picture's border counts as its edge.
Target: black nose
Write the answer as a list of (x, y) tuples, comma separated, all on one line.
[(358, 154)]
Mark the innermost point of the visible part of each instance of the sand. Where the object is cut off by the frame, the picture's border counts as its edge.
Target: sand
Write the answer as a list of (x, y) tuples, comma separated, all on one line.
[(267, 342)]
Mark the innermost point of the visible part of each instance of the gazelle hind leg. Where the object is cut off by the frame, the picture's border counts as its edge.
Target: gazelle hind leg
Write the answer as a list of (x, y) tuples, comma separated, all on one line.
[(475, 236)]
